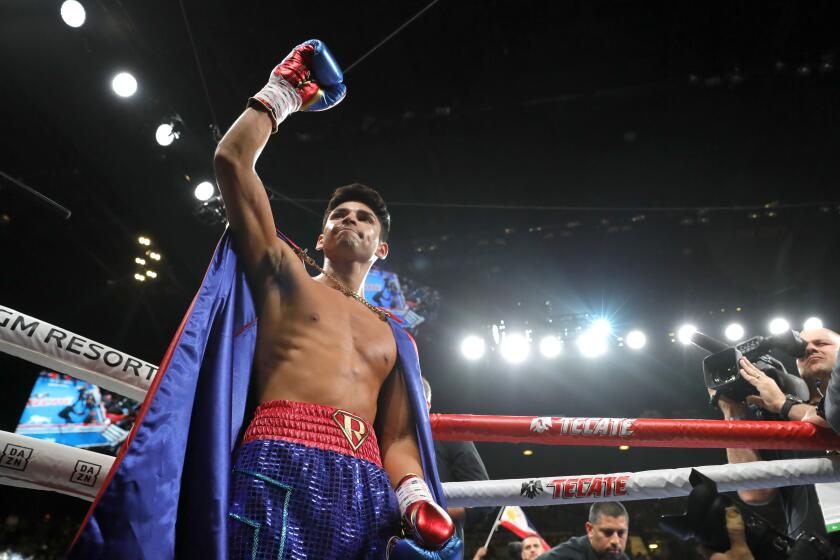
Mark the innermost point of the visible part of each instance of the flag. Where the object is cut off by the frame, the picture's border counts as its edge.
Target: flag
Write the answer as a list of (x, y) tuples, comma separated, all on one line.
[(513, 519)]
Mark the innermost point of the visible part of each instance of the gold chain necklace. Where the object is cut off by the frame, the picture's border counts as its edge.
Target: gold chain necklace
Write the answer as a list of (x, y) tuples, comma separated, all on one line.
[(303, 255)]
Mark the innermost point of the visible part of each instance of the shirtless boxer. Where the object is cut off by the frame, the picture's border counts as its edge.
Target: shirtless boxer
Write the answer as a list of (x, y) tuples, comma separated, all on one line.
[(307, 480)]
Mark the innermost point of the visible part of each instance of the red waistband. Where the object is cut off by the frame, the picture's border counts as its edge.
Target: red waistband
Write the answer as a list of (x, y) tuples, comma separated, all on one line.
[(315, 425)]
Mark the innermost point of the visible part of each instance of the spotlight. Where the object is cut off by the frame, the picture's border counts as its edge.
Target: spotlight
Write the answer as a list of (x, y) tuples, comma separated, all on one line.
[(472, 347), (636, 340), (812, 323), (527, 452), (602, 327), (139, 277), (515, 348), (685, 332), (151, 274), (778, 326), (154, 256), (592, 344), (142, 240), (140, 261), (73, 13), (624, 448), (166, 134), (550, 346), (734, 332), (653, 546), (124, 84), (204, 191)]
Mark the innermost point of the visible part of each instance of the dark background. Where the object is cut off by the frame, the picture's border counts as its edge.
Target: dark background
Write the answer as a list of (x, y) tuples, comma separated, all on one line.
[(653, 162)]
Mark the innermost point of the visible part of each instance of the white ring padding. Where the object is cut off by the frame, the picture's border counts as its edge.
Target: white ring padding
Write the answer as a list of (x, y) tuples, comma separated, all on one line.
[(34, 463), (63, 351), (643, 485)]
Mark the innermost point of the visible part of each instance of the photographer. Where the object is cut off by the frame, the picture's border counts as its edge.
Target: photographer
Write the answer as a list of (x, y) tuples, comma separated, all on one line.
[(799, 503)]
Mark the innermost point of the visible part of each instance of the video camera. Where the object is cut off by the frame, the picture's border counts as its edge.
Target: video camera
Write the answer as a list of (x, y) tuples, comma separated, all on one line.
[(705, 522), (721, 367)]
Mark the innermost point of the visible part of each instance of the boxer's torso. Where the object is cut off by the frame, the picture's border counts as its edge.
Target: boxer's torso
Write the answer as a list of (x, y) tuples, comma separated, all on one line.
[(315, 344)]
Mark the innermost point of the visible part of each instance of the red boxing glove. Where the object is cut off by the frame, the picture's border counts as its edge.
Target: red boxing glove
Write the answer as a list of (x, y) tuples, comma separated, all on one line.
[(423, 520), (308, 79)]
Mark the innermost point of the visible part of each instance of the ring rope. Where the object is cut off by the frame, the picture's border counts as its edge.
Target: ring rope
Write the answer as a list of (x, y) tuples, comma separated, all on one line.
[(643, 485), (58, 349), (639, 432), (35, 463)]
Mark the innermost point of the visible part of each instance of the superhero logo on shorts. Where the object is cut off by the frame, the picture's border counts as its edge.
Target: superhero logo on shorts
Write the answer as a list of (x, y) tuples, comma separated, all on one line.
[(15, 457), (85, 473), (353, 428), (532, 488)]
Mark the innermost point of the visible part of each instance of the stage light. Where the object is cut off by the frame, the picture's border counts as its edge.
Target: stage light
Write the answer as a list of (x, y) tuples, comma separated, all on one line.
[(73, 13), (601, 327), (154, 256), (636, 340), (139, 277), (624, 448), (515, 348), (166, 134), (204, 191), (551, 346), (778, 326), (812, 323), (527, 452), (685, 332), (591, 344), (151, 274), (140, 261), (142, 240), (734, 332), (124, 84), (472, 347)]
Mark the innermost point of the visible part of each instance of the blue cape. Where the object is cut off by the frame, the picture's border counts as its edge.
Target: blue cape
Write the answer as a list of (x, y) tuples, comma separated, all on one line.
[(167, 492)]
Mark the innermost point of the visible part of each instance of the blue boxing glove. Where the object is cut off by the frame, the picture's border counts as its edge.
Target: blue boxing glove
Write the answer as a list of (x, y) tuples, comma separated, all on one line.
[(407, 549), (308, 79)]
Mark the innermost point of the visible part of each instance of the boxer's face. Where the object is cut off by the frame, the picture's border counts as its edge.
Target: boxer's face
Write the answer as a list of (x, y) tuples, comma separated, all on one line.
[(352, 234), (820, 354)]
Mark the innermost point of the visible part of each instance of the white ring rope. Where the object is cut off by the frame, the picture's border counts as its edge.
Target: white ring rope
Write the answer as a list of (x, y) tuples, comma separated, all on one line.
[(643, 485), (61, 350), (34, 463)]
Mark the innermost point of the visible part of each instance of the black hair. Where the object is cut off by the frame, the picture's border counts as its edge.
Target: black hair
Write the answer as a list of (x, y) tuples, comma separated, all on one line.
[(357, 192), (610, 509)]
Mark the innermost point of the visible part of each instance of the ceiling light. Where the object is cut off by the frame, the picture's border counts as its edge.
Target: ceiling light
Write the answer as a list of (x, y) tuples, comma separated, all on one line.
[(472, 347), (591, 344), (204, 191), (685, 332), (515, 348), (166, 134), (778, 326), (124, 84), (151, 274), (139, 277), (812, 323), (636, 339), (551, 346), (73, 13), (734, 332)]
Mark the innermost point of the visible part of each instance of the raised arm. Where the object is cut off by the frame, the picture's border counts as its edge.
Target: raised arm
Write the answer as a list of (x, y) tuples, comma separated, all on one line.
[(246, 202), (308, 79)]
